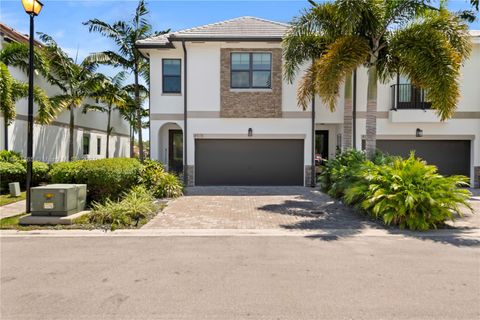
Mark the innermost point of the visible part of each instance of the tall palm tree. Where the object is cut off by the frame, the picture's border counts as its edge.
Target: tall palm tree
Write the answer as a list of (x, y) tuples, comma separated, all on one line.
[(408, 37), (77, 82), (129, 112), (112, 95), (125, 34), (12, 90)]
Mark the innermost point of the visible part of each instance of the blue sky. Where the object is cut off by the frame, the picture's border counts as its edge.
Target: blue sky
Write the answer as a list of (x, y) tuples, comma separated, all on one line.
[(63, 19)]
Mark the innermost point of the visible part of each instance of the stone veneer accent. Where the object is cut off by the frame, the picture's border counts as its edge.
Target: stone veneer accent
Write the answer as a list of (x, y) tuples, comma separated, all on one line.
[(476, 177), (190, 171), (308, 175), (251, 103)]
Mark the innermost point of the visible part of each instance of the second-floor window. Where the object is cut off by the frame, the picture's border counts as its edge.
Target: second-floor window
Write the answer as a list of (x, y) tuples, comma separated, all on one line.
[(251, 70), (171, 76), (99, 145)]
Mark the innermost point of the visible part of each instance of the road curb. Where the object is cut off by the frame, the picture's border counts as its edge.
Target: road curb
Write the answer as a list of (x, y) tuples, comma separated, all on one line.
[(467, 233)]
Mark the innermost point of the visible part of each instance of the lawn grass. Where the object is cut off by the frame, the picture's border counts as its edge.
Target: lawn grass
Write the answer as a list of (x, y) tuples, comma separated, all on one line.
[(11, 222), (7, 199)]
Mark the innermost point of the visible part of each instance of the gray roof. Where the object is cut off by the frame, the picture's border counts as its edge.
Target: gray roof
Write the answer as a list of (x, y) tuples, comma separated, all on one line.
[(239, 28)]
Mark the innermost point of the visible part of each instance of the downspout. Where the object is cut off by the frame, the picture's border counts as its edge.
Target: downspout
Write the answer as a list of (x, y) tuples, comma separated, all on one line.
[(354, 110), (5, 146), (185, 137), (313, 178)]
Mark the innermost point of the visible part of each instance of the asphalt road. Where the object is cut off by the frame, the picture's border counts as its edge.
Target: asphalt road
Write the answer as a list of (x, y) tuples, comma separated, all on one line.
[(271, 277)]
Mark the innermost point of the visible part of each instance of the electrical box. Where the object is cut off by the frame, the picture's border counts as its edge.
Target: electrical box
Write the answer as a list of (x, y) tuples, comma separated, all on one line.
[(58, 199)]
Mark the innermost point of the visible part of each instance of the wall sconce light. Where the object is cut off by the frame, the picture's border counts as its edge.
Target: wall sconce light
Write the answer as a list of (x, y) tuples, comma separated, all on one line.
[(419, 133), (250, 132)]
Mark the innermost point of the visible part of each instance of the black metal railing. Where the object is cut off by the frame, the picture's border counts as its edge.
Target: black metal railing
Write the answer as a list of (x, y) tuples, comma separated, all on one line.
[(406, 96)]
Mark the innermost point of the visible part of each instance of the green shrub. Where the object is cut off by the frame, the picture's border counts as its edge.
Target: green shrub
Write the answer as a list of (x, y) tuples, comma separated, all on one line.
[(408, 193), (105, 178), (11, 172), (39, 172), (161, 183), (341, 171), (10, 156), (17, 172), (136, 207)]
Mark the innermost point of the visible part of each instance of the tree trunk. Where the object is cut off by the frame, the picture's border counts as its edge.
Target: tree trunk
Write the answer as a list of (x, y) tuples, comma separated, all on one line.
[(347, 115), (371, 126), (139, 115), (72, 129), (109, 113)]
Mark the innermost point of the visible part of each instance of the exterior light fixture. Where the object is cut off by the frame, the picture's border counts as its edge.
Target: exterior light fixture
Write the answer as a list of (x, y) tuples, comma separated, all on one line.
[(32, 8), (250, 132), (419, 133)]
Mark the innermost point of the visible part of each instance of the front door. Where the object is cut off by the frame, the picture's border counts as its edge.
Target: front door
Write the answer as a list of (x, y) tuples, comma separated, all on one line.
[(175, 151), (321, 144)]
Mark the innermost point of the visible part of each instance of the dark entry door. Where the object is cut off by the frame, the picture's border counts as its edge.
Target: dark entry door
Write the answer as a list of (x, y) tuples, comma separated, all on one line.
[(175, 150), (249, 162), (321, 143)]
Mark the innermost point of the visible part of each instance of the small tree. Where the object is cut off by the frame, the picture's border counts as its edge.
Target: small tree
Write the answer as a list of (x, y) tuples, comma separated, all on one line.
[(77, 81), (112, 95)]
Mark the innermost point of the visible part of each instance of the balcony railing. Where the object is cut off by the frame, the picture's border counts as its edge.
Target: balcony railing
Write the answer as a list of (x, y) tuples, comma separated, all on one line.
[(406, 96)]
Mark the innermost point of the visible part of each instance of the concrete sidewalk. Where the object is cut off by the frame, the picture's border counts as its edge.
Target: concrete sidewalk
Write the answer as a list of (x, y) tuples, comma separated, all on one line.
[(12, 209)]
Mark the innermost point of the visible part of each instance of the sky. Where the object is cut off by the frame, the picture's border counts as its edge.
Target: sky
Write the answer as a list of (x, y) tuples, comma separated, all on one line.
[(63, 19)]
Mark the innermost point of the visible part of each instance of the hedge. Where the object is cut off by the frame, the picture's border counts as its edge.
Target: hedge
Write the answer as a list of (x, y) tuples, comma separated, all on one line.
[(17, 172), (105, 178)]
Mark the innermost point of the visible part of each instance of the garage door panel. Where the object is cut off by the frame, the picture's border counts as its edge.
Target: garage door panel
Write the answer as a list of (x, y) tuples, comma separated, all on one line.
[(450, 156), (248, 162)]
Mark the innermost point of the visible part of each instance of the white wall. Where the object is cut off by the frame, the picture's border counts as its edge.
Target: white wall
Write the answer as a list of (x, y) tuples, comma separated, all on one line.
[(51, 141)]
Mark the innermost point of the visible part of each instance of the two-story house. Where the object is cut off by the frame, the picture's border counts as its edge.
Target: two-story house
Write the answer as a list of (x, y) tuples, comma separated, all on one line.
[(51, 141), (221, 111)]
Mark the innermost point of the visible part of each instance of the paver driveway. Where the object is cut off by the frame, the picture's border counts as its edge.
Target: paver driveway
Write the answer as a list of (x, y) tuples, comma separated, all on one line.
[(257, 208)]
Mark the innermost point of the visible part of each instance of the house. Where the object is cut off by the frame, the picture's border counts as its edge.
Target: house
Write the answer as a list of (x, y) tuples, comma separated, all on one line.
[(51, 141), (221, 111)]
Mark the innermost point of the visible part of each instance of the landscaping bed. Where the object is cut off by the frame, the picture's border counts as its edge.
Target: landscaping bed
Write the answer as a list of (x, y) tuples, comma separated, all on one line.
[(407, 193), (122, 193)]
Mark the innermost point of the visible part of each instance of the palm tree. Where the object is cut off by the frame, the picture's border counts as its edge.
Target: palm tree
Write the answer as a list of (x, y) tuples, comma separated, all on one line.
[(408, 37), (11, 90), (303, 44), (112, 95), (125, 34), (129, 112), (77, 82)]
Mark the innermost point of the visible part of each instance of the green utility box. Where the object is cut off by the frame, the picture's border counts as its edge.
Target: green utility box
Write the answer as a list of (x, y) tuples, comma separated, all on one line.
[(58, 199)]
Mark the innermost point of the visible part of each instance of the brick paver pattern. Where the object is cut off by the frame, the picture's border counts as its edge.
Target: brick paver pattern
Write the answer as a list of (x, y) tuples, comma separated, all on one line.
[(257, 208)]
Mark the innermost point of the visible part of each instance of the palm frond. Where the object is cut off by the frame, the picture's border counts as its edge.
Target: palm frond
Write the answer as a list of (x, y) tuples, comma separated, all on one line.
[(341, 59), (429, 59)]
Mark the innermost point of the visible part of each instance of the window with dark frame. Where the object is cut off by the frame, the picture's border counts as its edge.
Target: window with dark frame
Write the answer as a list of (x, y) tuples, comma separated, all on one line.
[(86, 143), (171, 75), (251, 70), (99, 145)]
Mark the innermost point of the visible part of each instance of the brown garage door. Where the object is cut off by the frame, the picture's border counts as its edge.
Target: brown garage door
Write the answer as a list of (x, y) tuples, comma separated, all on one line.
[(450, 156), (248, 162)]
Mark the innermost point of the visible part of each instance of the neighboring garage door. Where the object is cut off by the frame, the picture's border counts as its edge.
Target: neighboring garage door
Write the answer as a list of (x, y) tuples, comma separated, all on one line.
[(249, 162), (450, 156)]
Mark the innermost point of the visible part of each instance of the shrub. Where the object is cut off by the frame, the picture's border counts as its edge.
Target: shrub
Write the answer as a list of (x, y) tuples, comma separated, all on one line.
[(11, 172), (39, 172), (105, 178), (10, 156), (408, 193), (136, 207), (17, 172), (341, 171), (161, 183)]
